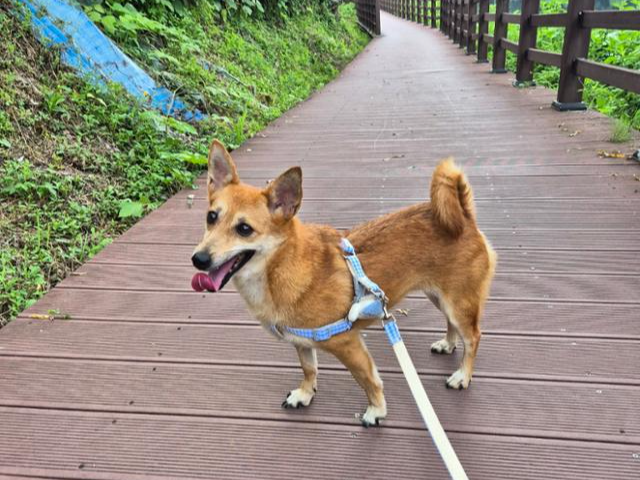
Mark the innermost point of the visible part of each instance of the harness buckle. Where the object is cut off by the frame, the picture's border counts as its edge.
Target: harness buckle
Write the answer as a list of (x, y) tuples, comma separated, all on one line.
[(387, 315)]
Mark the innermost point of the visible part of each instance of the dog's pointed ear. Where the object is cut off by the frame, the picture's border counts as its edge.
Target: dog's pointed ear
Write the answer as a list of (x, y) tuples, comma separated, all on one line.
[(222, 170), (285, 193)]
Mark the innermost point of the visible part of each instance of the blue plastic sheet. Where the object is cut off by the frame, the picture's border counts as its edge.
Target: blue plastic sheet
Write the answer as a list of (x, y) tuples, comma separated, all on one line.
[(85, 48)]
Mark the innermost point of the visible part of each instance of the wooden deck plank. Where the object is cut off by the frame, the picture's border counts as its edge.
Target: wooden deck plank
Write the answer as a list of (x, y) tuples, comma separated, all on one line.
[(511, 261), (115, 446), (417, 167), (492, 407), (558, 370), (562, 359), (513, 286), (593, 238), (544, 188), (518, 317)]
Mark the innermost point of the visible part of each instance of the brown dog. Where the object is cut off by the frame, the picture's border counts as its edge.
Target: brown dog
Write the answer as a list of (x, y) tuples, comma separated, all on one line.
[(294, 275)]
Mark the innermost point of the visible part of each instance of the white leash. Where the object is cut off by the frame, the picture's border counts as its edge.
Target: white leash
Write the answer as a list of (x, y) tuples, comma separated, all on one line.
[(438, 435)]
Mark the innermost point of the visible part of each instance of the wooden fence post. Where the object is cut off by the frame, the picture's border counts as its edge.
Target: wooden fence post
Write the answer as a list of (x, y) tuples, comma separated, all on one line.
[(434, 22), (454, 25), (528, 37), (443, 16), (576, 45), (500, 31), (471, 27), (464, 10), (483, 29), (452, 19)]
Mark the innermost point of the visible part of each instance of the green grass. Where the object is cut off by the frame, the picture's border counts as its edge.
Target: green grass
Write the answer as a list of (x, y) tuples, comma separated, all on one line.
[(246, 71), (79, 165), (621, 132)]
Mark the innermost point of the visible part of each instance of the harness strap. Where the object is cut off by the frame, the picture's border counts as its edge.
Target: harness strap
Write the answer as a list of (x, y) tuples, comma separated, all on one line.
[(360, 279), (368, 302), (320, 334)]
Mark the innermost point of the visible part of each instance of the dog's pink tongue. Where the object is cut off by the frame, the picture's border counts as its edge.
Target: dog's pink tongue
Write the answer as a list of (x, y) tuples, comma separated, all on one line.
[(212, 281), (217, 275)]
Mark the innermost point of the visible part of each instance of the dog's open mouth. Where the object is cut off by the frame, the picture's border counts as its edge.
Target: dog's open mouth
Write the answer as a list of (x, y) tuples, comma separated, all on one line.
[(216, 278)]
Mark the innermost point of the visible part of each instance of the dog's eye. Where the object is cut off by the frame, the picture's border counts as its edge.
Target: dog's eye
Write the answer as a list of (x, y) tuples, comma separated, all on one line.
[(244, 230), (212, 217)]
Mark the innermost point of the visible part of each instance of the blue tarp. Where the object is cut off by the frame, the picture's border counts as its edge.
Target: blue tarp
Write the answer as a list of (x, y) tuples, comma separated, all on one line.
[(85, 48)]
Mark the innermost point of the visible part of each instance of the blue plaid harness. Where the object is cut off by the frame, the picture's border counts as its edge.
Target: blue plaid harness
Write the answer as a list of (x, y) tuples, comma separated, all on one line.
[(369, 302)]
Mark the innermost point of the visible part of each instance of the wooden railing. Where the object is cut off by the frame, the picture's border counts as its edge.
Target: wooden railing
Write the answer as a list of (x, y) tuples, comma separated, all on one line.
[(426, 12), (466, 22), (369, 15)]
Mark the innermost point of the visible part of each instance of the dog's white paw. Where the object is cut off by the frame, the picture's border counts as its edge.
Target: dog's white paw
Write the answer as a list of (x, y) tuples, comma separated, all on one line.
[(458, 380), (298, 398), (373, 415), (443, 346)]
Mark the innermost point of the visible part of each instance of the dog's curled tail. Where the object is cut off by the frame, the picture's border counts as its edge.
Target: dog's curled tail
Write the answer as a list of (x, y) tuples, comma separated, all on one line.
[(451, 198)]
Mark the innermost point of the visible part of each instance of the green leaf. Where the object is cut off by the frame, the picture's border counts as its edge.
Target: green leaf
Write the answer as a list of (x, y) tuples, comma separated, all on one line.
[(47, 188), (130, 209), (5, 143), (194, 158), (178, 126), (109, 24), (94, 16)]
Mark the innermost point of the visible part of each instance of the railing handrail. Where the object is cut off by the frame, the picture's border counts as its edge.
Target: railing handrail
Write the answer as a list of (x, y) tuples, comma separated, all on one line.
[(466, 22)]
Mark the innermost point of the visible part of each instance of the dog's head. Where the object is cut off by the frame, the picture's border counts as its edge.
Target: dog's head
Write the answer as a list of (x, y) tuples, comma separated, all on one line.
[(243, 223)]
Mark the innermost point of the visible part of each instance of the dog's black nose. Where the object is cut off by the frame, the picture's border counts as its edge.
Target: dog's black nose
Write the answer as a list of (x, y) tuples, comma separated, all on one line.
[(201, 260)]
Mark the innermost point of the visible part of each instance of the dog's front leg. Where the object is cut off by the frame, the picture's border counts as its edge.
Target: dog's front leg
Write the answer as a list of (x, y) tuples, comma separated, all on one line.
[(351, 350), (302, 396)]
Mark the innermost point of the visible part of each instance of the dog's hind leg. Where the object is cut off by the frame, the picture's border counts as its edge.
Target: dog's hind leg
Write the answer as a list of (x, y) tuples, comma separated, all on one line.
[(302, 396), (448, 344), (467, 323), (350, 349)]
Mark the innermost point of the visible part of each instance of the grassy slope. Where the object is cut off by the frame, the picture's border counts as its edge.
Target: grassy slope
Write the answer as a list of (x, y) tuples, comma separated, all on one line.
[(70, 154)]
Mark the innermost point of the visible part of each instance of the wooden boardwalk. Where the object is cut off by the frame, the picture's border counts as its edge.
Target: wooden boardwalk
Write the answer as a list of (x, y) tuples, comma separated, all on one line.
[(156, 381)]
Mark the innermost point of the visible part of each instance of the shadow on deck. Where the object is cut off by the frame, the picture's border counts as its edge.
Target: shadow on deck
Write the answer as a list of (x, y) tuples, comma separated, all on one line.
[(149, 382)]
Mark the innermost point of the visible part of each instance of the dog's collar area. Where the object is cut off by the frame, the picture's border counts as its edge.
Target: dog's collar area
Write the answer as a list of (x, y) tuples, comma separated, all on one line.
[(369, 302)]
